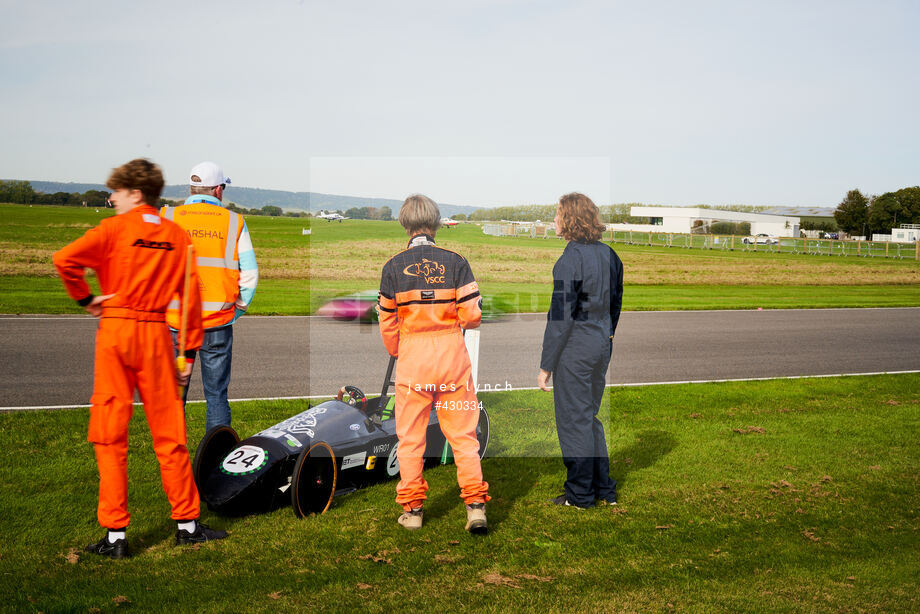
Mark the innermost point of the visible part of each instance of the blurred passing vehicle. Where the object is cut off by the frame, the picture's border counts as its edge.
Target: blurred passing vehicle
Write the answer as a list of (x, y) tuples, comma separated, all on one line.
[(361, 307)]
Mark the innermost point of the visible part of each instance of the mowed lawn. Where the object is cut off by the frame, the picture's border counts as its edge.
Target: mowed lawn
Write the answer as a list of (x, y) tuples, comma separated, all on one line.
[(299, 272), (783, 495)]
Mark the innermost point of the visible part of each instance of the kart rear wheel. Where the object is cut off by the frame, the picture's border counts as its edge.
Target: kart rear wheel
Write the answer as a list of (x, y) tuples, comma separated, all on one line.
[(313, 480), (482, 432), (216, 444)]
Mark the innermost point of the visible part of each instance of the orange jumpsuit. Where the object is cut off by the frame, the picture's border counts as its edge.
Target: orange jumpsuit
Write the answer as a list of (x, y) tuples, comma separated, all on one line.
[(140, 258), (427, 294)]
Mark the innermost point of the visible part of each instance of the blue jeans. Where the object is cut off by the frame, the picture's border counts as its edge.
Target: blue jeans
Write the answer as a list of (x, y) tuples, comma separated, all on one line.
[(215, 357)]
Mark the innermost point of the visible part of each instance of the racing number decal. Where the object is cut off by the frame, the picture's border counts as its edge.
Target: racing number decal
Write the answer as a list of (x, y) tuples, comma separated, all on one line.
[(393, 462), (243, 460)]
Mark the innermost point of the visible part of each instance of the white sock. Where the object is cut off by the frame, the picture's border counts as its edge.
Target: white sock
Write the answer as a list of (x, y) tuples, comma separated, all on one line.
[(115, 536), (188, 525)]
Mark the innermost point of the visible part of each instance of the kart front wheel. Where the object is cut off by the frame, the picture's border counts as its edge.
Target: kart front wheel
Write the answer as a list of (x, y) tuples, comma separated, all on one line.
[(217, 443)]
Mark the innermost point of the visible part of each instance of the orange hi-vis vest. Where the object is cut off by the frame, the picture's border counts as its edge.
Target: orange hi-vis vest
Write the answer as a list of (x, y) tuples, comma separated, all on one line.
[(214, 232)]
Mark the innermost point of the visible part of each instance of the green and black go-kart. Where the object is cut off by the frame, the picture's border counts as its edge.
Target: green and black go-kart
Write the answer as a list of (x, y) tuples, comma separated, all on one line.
[(331, 449)]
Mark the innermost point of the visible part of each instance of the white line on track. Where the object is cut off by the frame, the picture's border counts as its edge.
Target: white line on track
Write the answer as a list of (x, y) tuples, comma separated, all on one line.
[(626, 385)]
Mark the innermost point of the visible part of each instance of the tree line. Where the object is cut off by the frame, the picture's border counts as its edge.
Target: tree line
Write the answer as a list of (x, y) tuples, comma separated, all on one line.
[(270, 210), (863, 215), (370, 213), (610, 214), (22, 193)]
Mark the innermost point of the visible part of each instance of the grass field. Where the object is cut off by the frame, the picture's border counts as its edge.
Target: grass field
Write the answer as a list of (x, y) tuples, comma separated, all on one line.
[(298, 273), (784, 495)]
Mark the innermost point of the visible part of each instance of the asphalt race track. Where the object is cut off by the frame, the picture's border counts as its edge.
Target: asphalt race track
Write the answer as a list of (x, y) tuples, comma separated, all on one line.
[(48, 360)]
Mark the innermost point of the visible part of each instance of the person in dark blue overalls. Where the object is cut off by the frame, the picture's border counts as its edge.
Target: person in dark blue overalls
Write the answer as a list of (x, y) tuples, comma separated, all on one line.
[(582, 318)]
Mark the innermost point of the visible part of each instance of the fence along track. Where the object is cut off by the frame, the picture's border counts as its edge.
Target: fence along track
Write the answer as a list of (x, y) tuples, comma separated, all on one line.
[(784, 245), (787, 245)]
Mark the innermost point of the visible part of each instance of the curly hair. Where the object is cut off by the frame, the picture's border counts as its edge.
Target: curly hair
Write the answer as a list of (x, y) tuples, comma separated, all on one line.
[(581, 220), (139, 174)]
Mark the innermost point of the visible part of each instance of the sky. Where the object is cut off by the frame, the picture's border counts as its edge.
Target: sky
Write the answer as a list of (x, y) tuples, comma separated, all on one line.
[(475, 102)]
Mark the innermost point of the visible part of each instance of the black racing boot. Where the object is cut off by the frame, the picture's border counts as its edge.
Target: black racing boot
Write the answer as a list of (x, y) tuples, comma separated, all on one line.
[(117, 550), (202, 533)]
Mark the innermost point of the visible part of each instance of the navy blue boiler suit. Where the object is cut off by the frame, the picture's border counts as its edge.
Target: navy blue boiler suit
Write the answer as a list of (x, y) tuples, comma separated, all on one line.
[(582, 318)]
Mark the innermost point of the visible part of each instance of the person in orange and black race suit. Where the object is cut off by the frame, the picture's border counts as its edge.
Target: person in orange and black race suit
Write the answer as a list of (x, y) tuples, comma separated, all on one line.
[(140, 261), (577, 344), (427, 297)]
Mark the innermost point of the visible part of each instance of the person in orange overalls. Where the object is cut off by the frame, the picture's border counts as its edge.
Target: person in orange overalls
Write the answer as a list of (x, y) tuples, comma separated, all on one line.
[(427, 297), (140, 261)]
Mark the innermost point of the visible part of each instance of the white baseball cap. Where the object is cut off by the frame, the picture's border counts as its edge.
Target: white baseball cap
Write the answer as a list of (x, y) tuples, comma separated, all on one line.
[(207, 174)]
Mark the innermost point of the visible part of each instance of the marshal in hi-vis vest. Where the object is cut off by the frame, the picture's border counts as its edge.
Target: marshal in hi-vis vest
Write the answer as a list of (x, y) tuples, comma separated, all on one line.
[(214, 231)]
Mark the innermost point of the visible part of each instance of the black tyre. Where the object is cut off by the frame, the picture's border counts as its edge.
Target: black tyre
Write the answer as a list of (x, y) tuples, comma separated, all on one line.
[(216, 444), (313, 480)]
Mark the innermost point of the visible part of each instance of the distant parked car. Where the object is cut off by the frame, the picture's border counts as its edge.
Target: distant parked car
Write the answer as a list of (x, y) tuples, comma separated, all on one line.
[(760, 239)]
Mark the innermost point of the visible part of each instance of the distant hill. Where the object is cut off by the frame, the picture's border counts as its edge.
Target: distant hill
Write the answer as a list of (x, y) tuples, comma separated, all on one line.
[(258, 198)]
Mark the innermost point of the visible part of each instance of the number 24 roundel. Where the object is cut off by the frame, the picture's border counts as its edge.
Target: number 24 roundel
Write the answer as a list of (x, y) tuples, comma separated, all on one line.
[(244, 459)]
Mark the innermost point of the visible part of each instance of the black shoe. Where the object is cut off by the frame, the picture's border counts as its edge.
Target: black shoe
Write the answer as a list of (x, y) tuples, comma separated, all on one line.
[(561, 500), (202, 533), (118, 550)]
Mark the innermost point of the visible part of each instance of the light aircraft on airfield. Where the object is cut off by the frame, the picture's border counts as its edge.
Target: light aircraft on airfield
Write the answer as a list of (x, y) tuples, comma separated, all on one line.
[(446, 221), (330, 216)]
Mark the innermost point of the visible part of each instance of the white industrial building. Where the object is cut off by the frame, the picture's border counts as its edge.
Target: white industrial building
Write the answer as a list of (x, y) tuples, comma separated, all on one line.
[(907, 233), (686, 220)]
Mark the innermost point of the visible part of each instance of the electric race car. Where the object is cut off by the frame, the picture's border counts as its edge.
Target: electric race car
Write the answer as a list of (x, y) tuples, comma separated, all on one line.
[(360, 307), (331, 449)]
